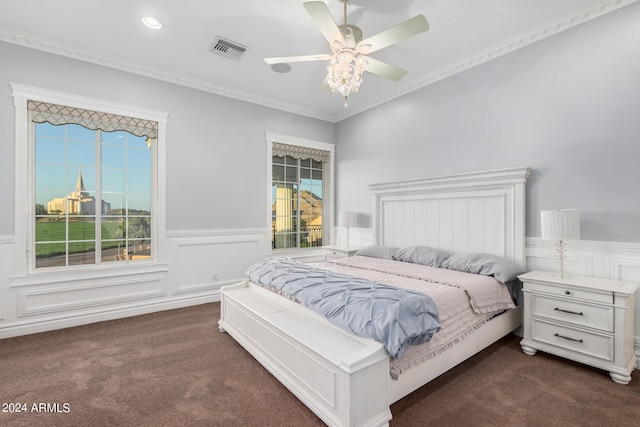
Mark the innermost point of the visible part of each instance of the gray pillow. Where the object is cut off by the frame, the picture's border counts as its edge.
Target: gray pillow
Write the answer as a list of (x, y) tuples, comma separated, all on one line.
[(421, 255), (377, 251), (485, 264)]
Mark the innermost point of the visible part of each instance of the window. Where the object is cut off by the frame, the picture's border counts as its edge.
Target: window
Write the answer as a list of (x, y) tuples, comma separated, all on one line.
[(93, 182), (92, 196), (300, 193)]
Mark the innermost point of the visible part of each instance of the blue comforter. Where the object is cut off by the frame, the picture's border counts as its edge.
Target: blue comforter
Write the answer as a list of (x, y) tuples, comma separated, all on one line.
[(395, 317)]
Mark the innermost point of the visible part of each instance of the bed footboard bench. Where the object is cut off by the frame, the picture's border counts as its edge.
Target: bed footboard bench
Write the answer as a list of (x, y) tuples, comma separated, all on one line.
[(340, 377)]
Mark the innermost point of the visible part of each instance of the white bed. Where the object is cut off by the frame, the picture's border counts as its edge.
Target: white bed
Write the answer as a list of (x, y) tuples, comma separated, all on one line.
[(345, 379)]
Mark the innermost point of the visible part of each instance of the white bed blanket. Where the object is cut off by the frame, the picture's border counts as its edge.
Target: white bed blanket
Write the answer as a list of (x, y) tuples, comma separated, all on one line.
[(465, 301)]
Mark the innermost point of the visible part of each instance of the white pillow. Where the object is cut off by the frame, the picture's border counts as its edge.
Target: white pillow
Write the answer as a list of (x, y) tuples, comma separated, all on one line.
[(421, 255), (485, 264), (377, 251)]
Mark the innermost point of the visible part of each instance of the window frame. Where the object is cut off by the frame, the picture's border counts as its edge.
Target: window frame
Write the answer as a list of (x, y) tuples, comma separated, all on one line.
[(24, 259), (328, 190)]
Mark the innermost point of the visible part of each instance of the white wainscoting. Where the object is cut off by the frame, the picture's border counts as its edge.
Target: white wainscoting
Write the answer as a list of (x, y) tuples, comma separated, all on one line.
[(6, 261), (611, 260), (198, 264), (203, 261)]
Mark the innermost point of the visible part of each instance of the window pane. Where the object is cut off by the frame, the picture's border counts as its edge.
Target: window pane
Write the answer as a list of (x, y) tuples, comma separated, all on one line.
[(82, 228), (113, 228), (139, 182), (52, 229), (139, 159), (51, 151), (291, 174), (139, 203), (50, 255), (114, 156), (139, 227), (113, 250), (115, 203), (140, 249), (284, 240), (278, 173), (82, 154), (114, 180), (51, 186), (82, 253), (277, 159)]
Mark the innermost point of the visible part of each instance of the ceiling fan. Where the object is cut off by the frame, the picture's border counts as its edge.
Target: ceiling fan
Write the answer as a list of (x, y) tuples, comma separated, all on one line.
[(349, 57)]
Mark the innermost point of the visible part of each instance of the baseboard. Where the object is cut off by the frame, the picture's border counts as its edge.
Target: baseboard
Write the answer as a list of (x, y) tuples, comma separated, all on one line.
[(32, 326)]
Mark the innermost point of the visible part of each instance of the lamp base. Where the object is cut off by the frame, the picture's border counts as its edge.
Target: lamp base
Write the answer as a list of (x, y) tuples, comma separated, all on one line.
[(561, 250)]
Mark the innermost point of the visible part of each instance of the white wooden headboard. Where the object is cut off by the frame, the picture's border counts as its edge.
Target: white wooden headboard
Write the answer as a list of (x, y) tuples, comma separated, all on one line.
[(469, 212)]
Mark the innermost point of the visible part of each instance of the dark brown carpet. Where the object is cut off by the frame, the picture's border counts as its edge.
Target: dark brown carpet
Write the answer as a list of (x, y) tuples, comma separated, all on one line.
[(175, 368)]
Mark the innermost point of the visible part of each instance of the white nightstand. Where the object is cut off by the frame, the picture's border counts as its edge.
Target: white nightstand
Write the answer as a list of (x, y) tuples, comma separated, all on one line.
[(334, 252), (586, 319)]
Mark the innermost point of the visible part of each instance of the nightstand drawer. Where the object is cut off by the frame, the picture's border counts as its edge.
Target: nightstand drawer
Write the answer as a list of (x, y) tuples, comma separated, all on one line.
[(573, 292), (581, 314), (588, 343)]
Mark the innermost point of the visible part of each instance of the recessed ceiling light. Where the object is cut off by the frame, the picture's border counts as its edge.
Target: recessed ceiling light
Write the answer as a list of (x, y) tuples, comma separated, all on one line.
[(152, 22)]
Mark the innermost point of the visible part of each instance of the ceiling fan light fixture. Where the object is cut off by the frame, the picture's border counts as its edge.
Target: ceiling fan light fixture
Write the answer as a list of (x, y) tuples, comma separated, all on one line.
[(349, 51), (345, 72)]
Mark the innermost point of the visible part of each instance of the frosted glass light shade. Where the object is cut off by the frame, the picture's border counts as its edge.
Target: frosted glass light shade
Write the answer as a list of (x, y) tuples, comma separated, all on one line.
[(560, 224), (348, 219)]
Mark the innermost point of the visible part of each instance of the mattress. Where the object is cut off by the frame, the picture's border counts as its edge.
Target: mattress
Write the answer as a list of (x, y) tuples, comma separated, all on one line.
[(464, 301)]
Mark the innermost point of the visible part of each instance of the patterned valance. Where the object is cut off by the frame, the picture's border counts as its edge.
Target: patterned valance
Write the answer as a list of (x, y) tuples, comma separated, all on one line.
[(42, 112), (297, 152)]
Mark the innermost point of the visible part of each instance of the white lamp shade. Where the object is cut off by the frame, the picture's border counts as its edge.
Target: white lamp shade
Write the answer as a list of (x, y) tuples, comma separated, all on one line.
[(560, 224), (348, 219)]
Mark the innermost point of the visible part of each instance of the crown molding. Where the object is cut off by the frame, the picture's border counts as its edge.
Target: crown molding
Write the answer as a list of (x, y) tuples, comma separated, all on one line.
[(524, 39), (34, 42), (507, 46)]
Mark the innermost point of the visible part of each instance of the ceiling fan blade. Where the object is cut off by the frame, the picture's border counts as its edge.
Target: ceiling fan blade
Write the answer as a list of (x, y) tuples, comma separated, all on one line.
[(409, 28), (303, 58), (385, 70), (322, 17)]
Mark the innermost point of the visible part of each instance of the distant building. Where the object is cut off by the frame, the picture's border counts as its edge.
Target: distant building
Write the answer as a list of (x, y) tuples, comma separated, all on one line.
[(285, 208), (79, 202)]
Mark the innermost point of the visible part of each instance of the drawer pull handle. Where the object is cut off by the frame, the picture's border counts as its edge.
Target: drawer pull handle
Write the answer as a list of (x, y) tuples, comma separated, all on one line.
[(569, 311), (567, 338), (567, 292)]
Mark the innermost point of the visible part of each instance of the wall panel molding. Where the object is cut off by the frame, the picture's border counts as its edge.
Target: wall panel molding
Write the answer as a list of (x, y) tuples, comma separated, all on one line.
[(6, 254), (198, 263), (82, 296), (209, 259)]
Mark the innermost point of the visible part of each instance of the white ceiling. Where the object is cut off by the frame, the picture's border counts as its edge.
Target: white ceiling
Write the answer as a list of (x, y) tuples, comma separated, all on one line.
[(462, 34)]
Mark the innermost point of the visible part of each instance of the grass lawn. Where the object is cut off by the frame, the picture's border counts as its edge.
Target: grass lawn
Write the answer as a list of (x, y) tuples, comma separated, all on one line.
[(54, 231)]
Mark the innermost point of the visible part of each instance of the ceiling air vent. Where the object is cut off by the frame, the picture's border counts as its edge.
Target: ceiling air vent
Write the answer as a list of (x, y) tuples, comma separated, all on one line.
[(227, 48)]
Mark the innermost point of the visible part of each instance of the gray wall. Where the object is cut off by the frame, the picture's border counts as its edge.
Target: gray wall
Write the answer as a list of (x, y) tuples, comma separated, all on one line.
[(568, 107), (216, 176)]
